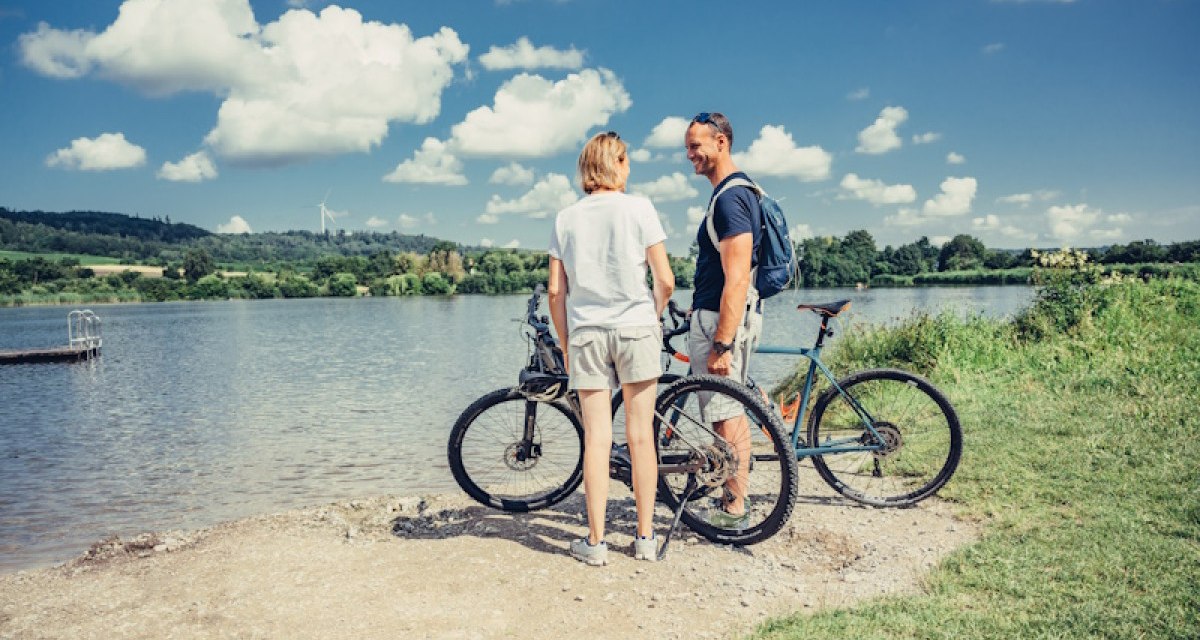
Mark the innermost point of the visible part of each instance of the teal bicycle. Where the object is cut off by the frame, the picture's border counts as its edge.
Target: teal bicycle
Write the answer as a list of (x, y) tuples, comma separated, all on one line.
[(883, 437)]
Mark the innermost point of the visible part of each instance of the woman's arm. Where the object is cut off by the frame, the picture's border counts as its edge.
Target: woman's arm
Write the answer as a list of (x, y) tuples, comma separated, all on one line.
[(664, 279), (557, 293)]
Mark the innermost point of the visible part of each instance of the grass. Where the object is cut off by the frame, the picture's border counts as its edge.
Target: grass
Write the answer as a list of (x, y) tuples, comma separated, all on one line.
[(1080, 459), (84, 260)]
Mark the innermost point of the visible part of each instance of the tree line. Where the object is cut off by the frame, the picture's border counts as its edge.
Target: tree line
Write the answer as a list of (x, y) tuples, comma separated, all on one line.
[(196, 264)]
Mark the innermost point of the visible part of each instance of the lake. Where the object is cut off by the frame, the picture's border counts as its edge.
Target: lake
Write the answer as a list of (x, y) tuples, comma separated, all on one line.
[(202, 412)]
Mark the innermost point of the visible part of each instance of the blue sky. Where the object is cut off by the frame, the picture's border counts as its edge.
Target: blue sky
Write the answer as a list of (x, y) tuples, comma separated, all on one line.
[(1022, 122)]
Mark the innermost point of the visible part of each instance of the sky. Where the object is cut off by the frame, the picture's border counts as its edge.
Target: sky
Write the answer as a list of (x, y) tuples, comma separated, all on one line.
[(1025, 123)]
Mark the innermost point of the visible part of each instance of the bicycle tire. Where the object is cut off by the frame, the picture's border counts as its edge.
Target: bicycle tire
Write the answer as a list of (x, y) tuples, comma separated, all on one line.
[(915, 418), (771, 478), (485, 445), (618, 416)]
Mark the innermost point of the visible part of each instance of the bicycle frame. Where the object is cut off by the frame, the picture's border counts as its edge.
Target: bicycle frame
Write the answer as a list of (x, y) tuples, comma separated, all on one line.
[(844, 445)]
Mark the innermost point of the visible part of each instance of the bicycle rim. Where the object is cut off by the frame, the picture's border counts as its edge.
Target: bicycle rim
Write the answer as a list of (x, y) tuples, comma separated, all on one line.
[(496, 465), (685, 435), (921, 438)]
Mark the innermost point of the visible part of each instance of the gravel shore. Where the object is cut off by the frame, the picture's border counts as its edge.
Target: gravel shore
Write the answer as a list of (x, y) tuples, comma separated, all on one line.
[(445, 567)]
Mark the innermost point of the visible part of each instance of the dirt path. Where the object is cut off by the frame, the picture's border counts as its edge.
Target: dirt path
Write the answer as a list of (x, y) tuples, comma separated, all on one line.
[(444, 567)]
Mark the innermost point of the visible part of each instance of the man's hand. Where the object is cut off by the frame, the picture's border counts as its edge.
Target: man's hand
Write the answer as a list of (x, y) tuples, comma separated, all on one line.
[(720, 364)]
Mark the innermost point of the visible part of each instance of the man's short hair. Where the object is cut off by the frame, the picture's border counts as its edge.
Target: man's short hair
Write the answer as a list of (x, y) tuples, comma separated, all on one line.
[(718, 122)]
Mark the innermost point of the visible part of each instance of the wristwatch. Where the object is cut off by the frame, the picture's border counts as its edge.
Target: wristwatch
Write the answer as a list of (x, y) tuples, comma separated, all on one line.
[(721, 348)]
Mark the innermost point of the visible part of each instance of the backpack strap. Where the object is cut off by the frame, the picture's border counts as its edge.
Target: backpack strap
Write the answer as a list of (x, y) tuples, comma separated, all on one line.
[(712, 206), (752, 292)]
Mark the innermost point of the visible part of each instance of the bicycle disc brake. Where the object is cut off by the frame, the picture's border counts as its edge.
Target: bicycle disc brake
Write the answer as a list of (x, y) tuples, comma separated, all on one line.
[(522, 456)]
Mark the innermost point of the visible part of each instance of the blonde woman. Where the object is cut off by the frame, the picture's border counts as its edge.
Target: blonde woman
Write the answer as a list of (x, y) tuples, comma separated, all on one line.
[(608, 321)]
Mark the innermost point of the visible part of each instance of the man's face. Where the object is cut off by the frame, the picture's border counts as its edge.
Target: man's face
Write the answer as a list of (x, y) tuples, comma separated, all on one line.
[(702, 145)]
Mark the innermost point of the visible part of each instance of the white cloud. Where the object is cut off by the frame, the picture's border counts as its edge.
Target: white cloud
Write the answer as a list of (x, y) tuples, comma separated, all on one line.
[(512, 174), (668, 134), (533, 117), (992, 223), (548, 196), (512, 244), (859, 94), (926, 138), (431, 164), (56, 53), (641, 155), (955, 158), (303, 86), (1071, 223), (197, 167), (523, 55), (407, 221), (1025, 199), (486, 243), (487, 218), (876, 192), (993, 48), (105, 152), (954, 200), (798, 232), (236, 224), (695, 216), (881, 136), (906, 217), (774, 153), (666, 189), (375, 222)]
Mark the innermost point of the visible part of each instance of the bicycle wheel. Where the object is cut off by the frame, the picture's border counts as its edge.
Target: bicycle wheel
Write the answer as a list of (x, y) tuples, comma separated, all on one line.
[(618, 413), (922, 439), (697, 463), (515, 454)]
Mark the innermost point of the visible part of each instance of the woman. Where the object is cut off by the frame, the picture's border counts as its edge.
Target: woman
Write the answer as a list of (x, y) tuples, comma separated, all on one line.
[(609, 321)]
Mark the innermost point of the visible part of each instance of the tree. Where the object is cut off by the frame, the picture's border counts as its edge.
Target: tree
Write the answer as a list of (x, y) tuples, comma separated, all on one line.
[(343, 285), (197, 263), (962, 252)]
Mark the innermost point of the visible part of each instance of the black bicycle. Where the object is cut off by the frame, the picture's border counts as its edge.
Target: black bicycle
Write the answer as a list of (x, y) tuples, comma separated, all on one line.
[(521, 448)]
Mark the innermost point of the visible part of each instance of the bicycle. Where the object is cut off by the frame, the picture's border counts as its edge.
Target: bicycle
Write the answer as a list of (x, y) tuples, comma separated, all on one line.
[(896, 437), (520, 448)]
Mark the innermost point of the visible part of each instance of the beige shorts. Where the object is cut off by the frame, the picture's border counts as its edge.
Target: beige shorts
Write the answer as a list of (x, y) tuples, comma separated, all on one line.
[(604, 358), (704, 327)]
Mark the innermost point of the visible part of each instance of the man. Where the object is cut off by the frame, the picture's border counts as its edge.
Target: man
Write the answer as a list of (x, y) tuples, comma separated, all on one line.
[(726, 313)]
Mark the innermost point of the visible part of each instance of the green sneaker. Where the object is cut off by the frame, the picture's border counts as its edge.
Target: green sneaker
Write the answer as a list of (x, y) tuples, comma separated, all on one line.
[(722, 519), (593, 556)]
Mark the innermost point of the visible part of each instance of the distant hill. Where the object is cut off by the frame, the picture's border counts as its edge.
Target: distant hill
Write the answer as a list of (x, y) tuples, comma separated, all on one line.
[(109, 224), (136, 238)]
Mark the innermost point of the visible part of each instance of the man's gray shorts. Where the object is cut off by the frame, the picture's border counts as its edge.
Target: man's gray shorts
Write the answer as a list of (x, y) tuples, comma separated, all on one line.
[(704, 326), (605, 358)]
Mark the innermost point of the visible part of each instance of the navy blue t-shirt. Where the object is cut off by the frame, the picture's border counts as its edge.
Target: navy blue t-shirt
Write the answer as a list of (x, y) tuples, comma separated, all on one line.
[(736, 212)]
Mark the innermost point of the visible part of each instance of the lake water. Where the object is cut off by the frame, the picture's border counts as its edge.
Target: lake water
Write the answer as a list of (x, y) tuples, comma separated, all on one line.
[(202, 412)]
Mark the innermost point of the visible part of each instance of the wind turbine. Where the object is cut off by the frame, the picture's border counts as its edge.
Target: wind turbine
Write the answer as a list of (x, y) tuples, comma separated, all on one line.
[(325, 213)]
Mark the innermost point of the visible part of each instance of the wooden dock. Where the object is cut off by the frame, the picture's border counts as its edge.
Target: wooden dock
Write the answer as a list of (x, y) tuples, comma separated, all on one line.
[(51, 354), (83, 343)]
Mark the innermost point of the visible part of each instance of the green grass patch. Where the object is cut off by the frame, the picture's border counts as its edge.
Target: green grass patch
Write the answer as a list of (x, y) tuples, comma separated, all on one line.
[(83, 259), (1080, 458)]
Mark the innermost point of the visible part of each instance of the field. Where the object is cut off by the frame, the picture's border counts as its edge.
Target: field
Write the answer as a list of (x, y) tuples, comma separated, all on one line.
[(1079, 461)]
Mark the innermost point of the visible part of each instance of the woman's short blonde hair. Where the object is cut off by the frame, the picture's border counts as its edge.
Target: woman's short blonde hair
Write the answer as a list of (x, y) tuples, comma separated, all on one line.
[(599, 160)]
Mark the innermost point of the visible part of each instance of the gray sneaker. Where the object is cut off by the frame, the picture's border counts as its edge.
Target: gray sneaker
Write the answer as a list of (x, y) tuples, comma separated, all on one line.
[(645, 548), (584, 552)]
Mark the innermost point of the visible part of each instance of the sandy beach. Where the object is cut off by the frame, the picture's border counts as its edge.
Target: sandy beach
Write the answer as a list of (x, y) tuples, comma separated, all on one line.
[(444, 567)]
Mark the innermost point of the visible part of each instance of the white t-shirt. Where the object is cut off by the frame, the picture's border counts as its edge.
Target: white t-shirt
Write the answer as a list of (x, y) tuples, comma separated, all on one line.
[(602, 242)]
